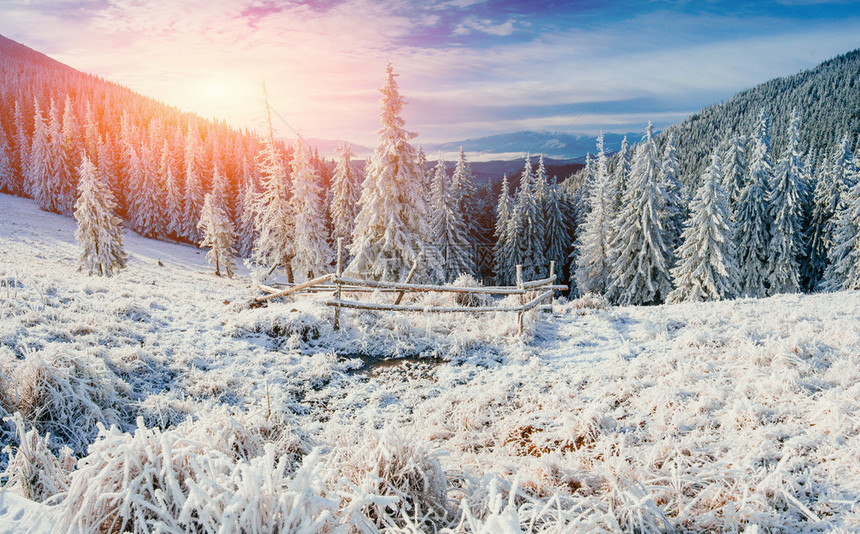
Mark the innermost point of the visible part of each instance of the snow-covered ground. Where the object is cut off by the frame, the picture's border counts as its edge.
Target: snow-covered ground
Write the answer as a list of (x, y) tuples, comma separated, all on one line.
[(738, 416)]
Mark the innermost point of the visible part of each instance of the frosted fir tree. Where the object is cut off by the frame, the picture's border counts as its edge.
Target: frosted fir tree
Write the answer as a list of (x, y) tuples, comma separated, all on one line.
[(71, 147), (21, 154), (60, 166), (246, 208), (676, 201), (707, 267), (218, 234), (829, 188), (557, 228), (786, 211), (192, 201), (147, 209), (346, 190), (42, 182), (172, 206), (275, 221), (734, 168), (752, 215), (593, 264), (7, 173), (451, 240), (99, 230), (621, 173), (843, 272), (641, 257), (466, 194), (313, 254), (501, 248), (529, 231), (392, 227), (809, 274)]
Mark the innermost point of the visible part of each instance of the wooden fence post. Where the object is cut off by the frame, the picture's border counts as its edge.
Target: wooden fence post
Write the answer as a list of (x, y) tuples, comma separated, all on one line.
[(338, 272), (551, 274), (522, 295)]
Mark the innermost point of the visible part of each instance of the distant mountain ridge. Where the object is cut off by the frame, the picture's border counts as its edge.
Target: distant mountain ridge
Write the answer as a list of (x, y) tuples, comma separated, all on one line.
[(555, 145)]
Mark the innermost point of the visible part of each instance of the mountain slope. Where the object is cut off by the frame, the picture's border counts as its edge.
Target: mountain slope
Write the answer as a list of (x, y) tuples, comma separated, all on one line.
[(827, 97), (554, 145)]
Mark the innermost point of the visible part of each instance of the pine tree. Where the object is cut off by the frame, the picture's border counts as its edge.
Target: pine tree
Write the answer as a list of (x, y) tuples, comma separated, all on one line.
[(843, 272), (530, 232), (392, 227), (676, 203), (450, 229), (809, 275), (7, 175), (346, 190), (735, 169), (753, 225), (193, 199), (707, 268), (641, 257), (621, 174), (71, 148), (557, 229), (593, 250), (785, 203), (21, 155), (42, 183), (275, 221), (218, 234), (59, 167), (99, 230), (146, 194), (501, 249), (466, 195), (247, 210), (313, 253)]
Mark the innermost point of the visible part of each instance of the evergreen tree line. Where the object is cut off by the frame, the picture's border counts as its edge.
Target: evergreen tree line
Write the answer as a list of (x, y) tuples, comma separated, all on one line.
[(760, 223)]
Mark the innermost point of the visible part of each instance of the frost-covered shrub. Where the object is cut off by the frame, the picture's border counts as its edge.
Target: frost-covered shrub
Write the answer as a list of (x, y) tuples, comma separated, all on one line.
[(470, 299), (176, 481), (276, 322), (68, 396), (589, 301), (33, 469), (386, 478)]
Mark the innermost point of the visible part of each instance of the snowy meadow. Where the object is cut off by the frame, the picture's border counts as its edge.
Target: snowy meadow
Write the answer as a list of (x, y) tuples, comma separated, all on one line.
[(159, 400)]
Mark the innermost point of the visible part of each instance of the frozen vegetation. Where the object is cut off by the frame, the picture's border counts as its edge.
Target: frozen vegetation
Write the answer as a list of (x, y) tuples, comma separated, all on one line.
[(159, 400)]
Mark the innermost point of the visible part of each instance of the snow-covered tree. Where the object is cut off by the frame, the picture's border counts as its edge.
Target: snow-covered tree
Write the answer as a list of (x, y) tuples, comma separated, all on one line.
[(464, 192), (21, 154), (218, 234), (676, 201), (71, 147), (99, 230), (246, 209), (621, 173), (392, 227), (593, 246), (529, 231), (753, 223), (451, 239), (313, 254), (558, 231), (147, 210), (7, 172), (641, 256), (843, 272), (275, 221), (734, 163), (346, 190), (785, 203), (501, 249), (42, 182), (192, 201), (707, 267)]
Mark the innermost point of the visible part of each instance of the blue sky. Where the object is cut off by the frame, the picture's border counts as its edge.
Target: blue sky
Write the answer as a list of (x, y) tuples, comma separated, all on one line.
[(467, 68)]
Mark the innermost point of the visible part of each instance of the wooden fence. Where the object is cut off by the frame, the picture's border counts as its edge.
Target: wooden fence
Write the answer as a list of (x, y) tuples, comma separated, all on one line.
[(337, 283)]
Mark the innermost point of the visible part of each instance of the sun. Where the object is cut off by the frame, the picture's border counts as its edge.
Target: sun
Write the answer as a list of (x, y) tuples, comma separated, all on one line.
[(217, 96)]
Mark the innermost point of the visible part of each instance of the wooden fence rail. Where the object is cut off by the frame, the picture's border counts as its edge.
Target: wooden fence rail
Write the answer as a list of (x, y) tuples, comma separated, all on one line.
[(337, 283)]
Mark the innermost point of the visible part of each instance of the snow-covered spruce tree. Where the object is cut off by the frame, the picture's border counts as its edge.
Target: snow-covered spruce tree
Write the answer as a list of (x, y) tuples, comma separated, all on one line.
[(808, 274), (99, 230), (451, 239), (786, 204), (392, 227), (501, 249), (21, 154), (346, 190), (192, 201), (7, 173), (676, 197), (58, 166), (752, 231), (558, 230), (71, 147), (275, 218), (147, 209), (592, 251), (466, 194), (173, 208), (621, 173), (218, 234), (707, 267), (246, 208), (529, 231), (641, 257), (843, 272), (734, 163), (313, 254), (42, 183)]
